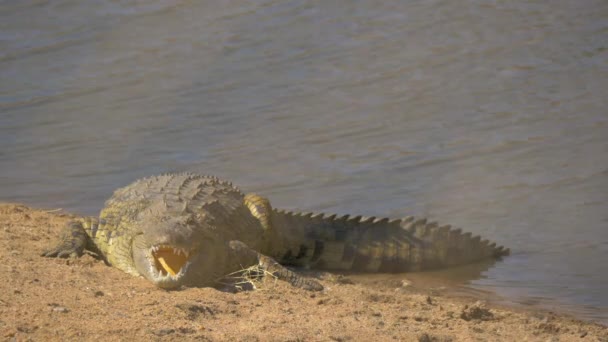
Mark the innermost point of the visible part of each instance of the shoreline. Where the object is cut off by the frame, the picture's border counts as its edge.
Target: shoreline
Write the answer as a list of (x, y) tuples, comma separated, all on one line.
[(59, 299)]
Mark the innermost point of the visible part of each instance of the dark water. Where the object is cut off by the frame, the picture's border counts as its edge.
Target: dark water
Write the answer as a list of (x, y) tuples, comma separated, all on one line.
[(487, 115)]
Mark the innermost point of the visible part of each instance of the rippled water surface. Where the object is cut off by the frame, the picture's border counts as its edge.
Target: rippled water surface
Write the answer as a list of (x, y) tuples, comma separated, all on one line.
[(487, 115)]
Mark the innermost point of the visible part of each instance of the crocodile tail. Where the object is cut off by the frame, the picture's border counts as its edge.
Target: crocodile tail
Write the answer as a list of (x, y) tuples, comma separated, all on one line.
[(376, 244)]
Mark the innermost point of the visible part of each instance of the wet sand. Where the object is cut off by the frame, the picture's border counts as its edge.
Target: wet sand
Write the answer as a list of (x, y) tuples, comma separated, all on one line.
[(66, 299)]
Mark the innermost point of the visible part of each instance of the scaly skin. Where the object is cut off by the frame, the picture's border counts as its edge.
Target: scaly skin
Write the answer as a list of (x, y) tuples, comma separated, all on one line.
[(188, 229)]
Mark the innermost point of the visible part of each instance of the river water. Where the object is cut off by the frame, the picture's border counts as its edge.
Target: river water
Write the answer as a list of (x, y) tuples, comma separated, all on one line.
[(486, 115)]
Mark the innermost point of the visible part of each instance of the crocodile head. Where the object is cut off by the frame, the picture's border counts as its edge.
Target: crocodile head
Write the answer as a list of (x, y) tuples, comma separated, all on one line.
[(168, 246)]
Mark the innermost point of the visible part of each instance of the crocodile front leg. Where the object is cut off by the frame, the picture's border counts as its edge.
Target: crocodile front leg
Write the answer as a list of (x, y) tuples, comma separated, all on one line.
[(271, 266), (72, 242)]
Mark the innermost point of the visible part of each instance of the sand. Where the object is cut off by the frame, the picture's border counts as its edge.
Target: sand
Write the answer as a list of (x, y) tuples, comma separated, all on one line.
[(44, 299)]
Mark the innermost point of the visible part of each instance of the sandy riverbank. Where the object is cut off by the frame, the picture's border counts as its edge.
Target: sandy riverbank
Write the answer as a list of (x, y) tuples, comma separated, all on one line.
[(49, 299)]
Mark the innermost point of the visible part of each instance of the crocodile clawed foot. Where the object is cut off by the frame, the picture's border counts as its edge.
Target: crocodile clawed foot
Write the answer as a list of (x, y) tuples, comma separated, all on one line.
[(61, 252), (270, 266), (72, 242)]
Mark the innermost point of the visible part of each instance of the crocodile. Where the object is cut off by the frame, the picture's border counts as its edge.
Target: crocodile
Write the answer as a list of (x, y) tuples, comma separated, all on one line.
[(186, 229)]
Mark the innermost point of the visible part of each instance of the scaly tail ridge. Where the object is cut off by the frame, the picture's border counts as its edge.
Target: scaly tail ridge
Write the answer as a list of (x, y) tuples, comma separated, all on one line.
[(376, 244)]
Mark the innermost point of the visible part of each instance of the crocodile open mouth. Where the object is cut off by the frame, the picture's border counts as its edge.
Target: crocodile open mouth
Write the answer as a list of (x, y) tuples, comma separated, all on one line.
[(170, 260)]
